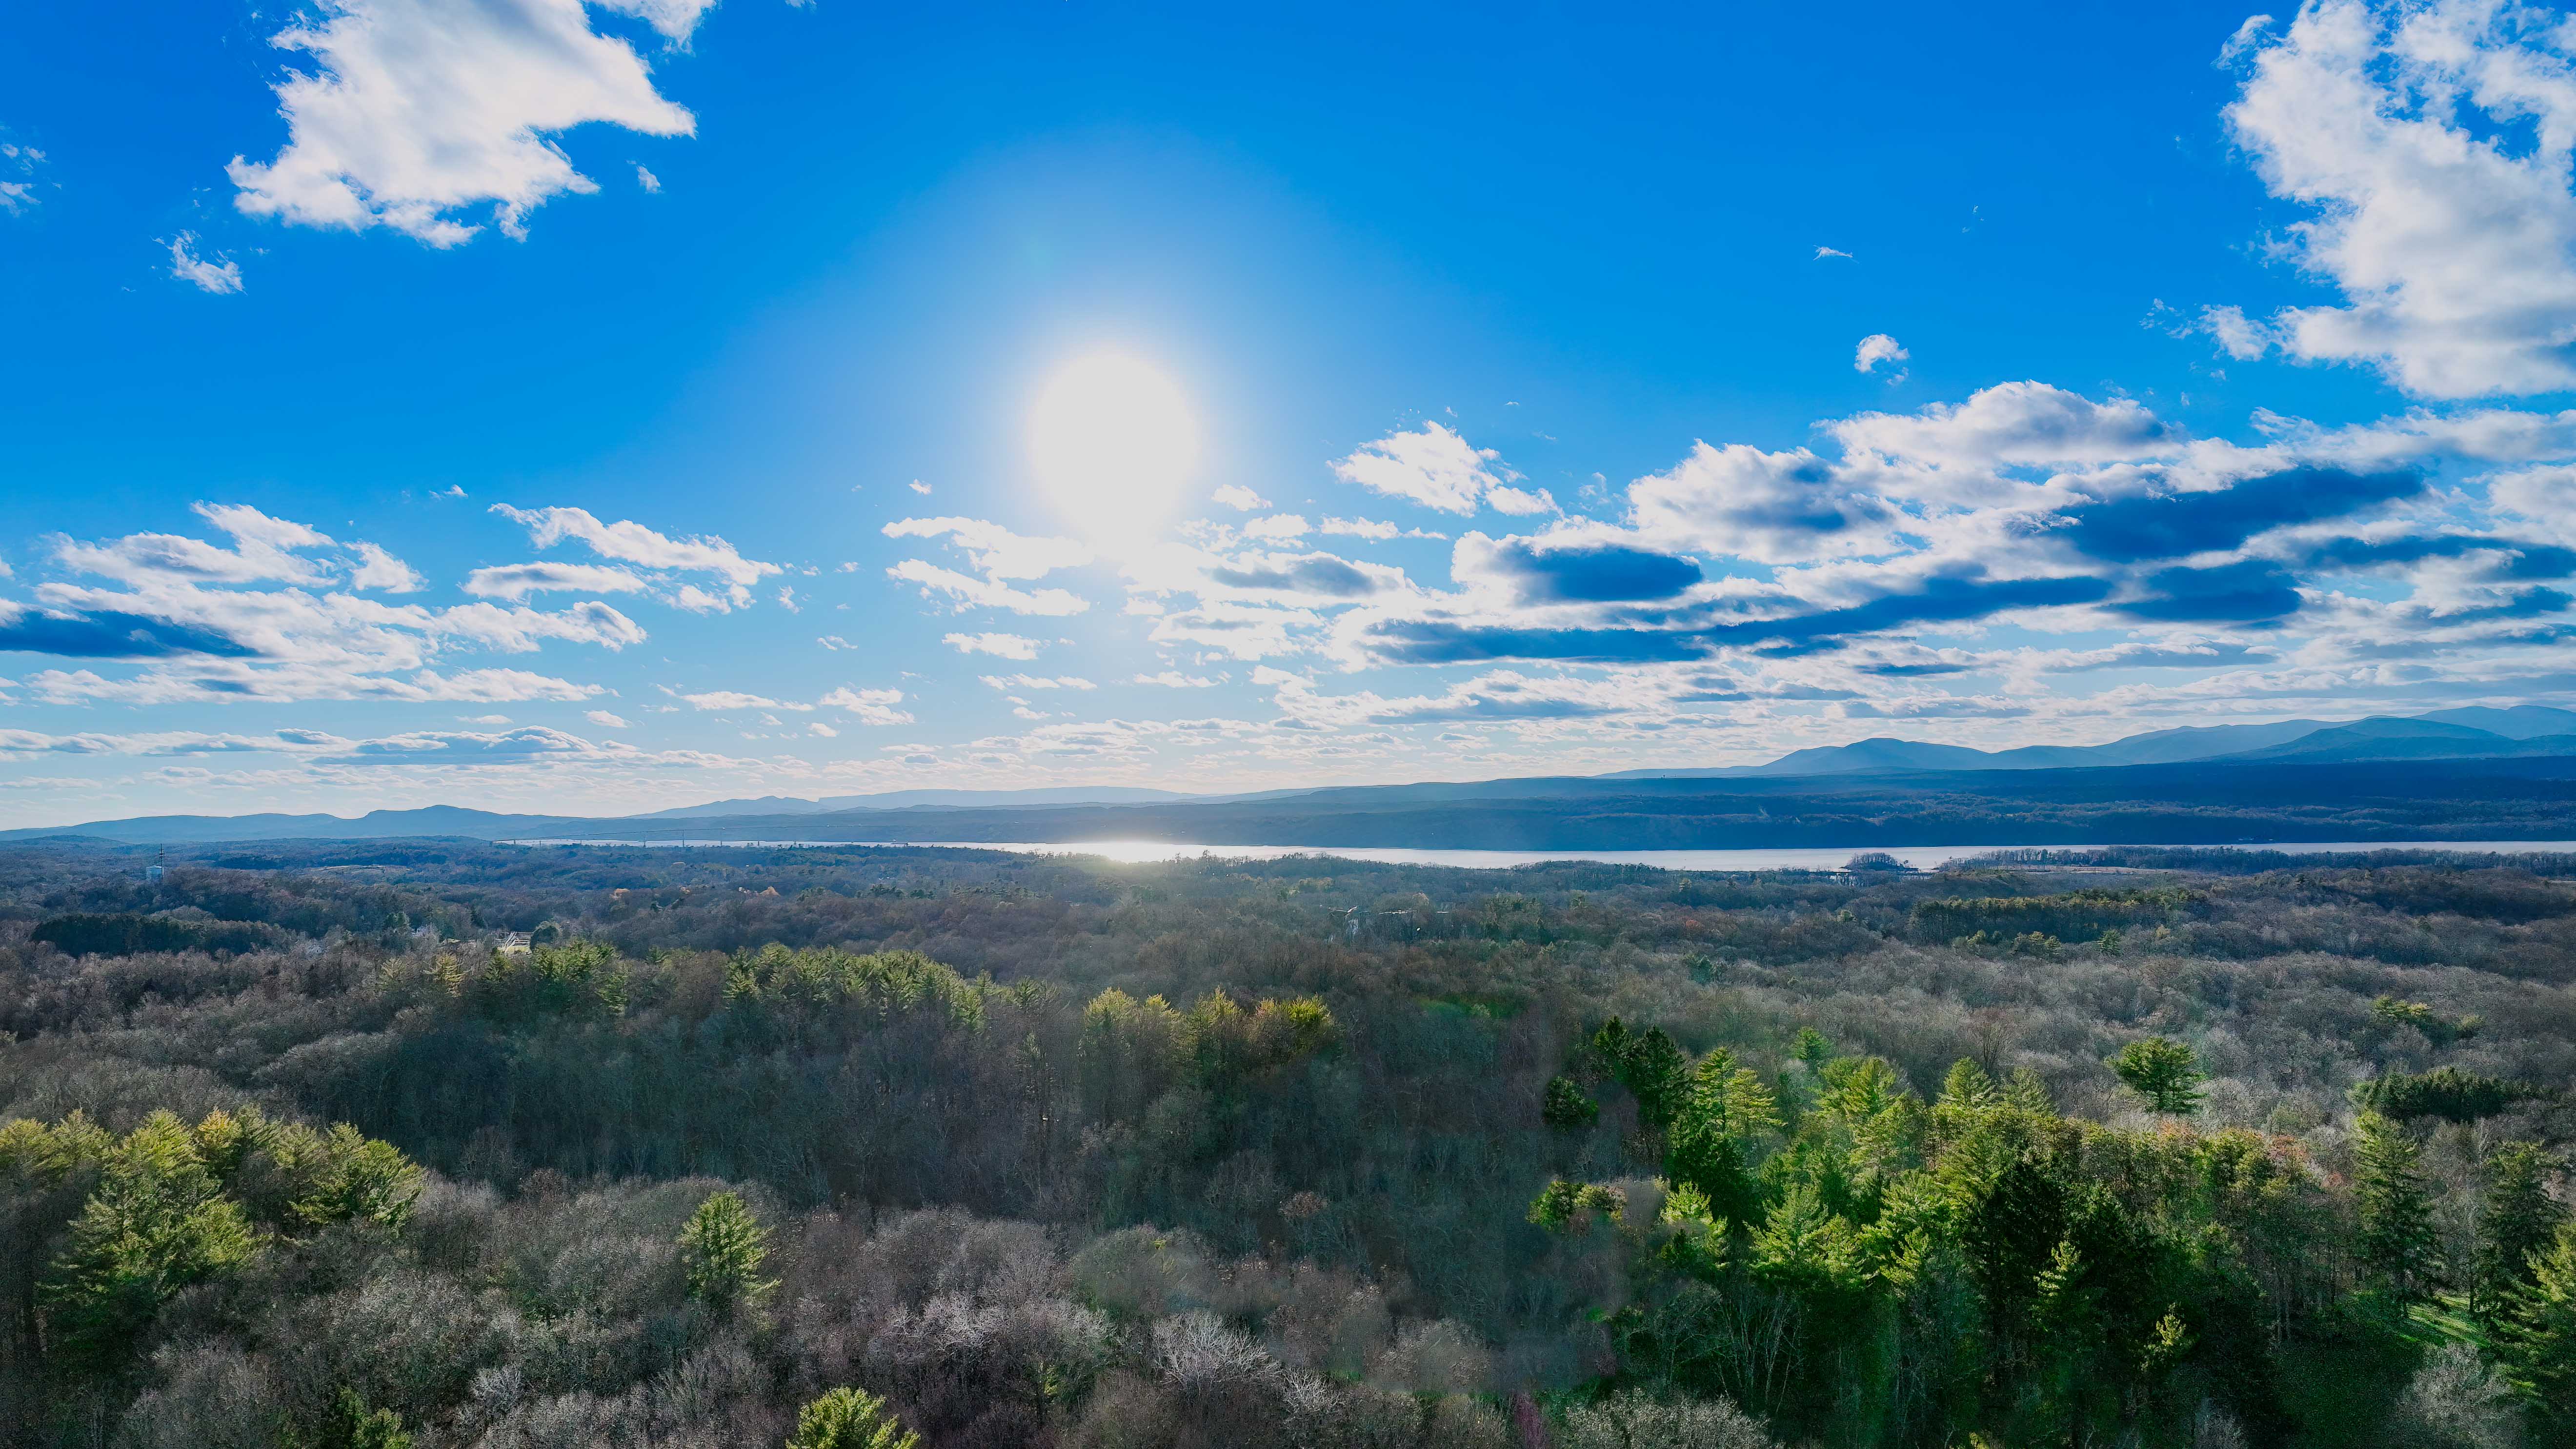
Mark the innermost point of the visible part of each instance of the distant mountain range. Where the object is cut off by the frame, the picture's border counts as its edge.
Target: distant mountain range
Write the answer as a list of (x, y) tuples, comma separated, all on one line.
[(2452, 774), (921, 799), (2454, 734)]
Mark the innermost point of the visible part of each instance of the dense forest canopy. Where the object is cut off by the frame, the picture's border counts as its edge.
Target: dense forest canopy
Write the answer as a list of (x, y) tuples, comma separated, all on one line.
[(443, 1143)]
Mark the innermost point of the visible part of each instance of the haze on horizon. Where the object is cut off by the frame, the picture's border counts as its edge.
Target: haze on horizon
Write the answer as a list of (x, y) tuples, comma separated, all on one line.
[(814, 400)]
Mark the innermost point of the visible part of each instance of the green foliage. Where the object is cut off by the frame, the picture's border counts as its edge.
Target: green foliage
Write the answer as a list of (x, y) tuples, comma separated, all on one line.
[(574, 979), (174, 1205), (1855, 1264), (127, 933), (1564, 1105), (2390, 1012), (51, 1153), (2397, 1244), (2445, 1092), (2063, 1307), (1968, 1087), (2168, 1343), (1806, 1249), (722, 1251), (1651, 1065), (156, 1223), (2163, 1073), (850, 1418), (2074, 914), (352, 1178), (1608, 1047), (1813, 1047), (2538, 1341), (1570, 1207), (2517, 1218), (2026, 1093), (815, 979), (1131, 1053), (352, 1425), (1699, 1247), (2009, 1235), (1226, 1046), (1714, 1132)]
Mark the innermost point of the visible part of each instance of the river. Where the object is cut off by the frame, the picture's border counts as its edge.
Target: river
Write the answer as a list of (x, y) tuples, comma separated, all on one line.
[(1921, 857)]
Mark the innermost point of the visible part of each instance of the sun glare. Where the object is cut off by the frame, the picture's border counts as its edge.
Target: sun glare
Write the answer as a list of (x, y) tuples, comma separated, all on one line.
[(1113, 443)]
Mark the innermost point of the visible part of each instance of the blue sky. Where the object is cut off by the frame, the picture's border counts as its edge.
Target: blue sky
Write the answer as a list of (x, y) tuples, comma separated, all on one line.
[(541, 406)]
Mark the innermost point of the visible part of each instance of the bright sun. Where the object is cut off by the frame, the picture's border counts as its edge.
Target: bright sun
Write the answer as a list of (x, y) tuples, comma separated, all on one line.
[(1113, 443)]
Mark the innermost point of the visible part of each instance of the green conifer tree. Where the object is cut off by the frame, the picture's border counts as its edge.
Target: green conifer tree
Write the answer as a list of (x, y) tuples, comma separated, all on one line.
[(2538, 1343), (2397, 1243), (1565, 1206), (1566, 1107), (2163, 1072), (1714, 1127), (722, 1250), (355, 1426), (850, 1419), (157, 1222), (361, 1180), (1658, 1074), (2027, 1093), (1968, 1087), (1813, 1048), (2516, 1220), (1609, 1048)]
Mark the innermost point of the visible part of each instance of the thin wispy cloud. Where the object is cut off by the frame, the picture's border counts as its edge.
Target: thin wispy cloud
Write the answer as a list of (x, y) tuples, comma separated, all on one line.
[(218, 274)]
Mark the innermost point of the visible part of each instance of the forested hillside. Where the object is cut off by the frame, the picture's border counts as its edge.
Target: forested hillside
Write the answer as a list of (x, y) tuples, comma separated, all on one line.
[(443, 1144)]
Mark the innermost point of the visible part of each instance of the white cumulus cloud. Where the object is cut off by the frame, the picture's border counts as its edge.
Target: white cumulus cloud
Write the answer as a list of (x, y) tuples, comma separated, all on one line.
[(418, 110), (627, 542), (2431, 144), (869, 706), (1877, 348), (1430, 465), (377, 569)]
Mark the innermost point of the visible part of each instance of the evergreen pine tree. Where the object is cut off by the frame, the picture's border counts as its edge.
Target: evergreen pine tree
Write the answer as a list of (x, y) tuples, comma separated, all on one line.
[(1813, 1048), (361, 1180), (2066, 1326), (2516, 1219), (2027, 1093), (850, 1419), (1658, 1074), (1609, 1049), (1726, 1108), (2397, 1244), (2538, 1342), (2163, 1072), (1565, 1107), (356, 1426), (157, 1223), (1968, 1086), (721, 1251)]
